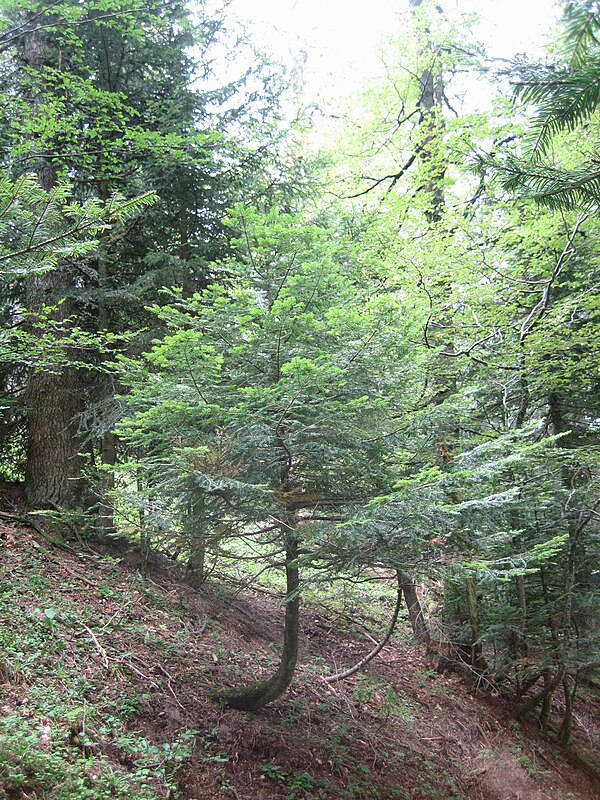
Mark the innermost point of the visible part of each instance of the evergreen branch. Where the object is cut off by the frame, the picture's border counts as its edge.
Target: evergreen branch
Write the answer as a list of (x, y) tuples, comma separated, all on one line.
[(565, 98), (554, 187), (6, 39)]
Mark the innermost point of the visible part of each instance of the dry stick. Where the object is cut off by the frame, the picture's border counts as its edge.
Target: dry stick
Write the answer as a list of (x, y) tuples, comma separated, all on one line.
[(130, 666), (99, 647), (74, 530), (72, 572), (169, 678), (370, 656), (167, 675)]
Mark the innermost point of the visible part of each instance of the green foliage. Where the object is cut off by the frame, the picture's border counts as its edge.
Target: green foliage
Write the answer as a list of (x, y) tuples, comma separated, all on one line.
[(565, 96), (407, 376), (287, 366), (49, 743), (58, 770), (39, 227), (109, 105)]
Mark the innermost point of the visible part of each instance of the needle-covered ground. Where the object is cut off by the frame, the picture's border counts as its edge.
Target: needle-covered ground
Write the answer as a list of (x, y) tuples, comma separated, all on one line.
[(106, 680)]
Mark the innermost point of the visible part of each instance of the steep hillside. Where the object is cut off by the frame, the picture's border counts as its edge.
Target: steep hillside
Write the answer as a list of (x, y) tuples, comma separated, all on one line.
[(106, 678)]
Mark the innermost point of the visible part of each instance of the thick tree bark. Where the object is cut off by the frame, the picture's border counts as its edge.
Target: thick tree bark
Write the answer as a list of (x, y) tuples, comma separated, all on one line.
[(53, 467), (52, 401), (51, 398)]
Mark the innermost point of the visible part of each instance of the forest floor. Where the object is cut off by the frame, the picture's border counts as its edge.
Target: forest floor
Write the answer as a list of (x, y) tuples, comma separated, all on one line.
[(106, 679)]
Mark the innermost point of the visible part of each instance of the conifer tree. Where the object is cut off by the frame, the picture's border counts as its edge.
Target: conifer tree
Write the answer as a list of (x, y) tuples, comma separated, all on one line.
[(565, 96), (110, 94), (269, 406)]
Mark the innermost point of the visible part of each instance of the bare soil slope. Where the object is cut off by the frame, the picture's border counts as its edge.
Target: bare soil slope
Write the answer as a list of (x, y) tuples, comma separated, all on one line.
[(106, 679)]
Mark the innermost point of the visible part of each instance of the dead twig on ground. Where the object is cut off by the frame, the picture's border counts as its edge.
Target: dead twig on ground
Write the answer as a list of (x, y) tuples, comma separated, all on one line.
[(99, 647)]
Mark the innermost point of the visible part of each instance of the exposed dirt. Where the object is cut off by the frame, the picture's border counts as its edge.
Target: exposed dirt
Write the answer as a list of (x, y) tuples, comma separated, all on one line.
[(398, 730)]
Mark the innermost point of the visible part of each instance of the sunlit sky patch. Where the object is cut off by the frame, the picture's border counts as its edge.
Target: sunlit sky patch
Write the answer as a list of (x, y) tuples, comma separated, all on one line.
[(342, 39)]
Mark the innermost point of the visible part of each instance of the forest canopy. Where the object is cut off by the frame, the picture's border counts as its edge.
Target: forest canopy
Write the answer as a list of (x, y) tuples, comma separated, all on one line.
[(374, 355)]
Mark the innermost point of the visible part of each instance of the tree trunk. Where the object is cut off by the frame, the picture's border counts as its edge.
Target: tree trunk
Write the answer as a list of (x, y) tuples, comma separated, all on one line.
[(565, 730), (259, 694), (195, 572), (430, 104), (108, 441), (53, 464), (52, 400), (477, 659), (53, 467), (415, 612), (108, 456), (195, 536)]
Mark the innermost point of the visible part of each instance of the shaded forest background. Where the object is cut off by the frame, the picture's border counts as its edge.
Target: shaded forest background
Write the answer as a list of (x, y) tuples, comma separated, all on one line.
[(371, 359)]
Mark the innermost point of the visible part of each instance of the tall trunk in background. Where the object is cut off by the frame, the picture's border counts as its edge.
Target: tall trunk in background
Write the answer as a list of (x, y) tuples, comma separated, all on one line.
[(52, 398), (433, 167), (431, 121), (477, 658), (108, 441)]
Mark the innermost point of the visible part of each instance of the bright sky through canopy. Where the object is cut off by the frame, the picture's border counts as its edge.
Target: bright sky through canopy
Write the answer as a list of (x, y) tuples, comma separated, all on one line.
[(342, 38)]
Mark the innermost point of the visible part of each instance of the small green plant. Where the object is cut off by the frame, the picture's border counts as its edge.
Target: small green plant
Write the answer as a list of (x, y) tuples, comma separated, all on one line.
[(365, 691), (361, 790), (109, 593), (49, 616), (529, 766), (43, 761), (425, 675), (273, 772), (226, 786), (301, 784)]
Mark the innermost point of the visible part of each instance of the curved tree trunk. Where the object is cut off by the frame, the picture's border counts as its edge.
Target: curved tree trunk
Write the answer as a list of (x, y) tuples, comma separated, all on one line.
[(254, 697)]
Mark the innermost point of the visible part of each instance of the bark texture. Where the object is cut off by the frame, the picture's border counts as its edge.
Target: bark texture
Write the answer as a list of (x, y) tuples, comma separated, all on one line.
[(415, 612), (52, 397)]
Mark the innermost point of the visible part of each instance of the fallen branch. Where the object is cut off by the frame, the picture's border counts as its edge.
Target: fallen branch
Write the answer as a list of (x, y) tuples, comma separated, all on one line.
[(99, 647), (378, 648), (25, 519)]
